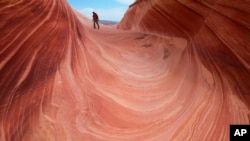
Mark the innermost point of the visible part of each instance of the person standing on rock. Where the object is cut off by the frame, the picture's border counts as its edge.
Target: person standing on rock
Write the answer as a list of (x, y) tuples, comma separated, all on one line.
[(95, 20)]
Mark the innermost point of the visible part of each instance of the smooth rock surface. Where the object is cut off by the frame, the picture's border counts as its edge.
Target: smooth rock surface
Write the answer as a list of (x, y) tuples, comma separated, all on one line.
[(176, 70)]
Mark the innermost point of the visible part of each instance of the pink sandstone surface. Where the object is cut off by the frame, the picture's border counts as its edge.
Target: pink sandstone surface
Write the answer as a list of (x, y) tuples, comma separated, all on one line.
[(174, 70)]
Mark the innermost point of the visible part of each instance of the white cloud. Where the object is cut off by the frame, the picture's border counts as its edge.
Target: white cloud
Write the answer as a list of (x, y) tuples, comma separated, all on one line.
[(127, 2), (112, 14)]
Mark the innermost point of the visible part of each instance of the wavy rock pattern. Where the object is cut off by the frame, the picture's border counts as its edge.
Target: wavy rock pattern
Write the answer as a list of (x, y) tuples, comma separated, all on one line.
[(180, 73)]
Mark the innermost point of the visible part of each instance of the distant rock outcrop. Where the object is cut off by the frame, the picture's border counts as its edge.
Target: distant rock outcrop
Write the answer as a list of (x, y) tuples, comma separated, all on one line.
[(105, 22)]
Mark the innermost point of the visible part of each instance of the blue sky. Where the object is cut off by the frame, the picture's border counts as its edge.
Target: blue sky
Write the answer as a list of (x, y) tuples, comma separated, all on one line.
[(112, 10)]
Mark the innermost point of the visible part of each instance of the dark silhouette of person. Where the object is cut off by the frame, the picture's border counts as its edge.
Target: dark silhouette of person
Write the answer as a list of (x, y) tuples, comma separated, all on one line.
[(95, 20)]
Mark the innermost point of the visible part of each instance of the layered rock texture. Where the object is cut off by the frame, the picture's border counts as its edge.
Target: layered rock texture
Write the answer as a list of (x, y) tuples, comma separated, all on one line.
[(174, 70)]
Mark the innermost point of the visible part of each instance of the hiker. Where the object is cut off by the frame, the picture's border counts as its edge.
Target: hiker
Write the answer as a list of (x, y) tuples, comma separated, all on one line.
[(95, 20)]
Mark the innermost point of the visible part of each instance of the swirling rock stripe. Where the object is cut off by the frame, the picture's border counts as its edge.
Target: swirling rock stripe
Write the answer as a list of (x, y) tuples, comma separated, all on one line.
[(218, 38), (63, 80), (35, 36)]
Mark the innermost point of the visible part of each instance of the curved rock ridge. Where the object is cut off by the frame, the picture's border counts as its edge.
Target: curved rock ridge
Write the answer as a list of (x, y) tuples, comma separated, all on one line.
[(180, 71), (217, 33)]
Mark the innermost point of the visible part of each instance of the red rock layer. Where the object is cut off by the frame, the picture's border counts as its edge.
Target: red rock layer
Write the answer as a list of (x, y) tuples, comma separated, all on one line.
[(217, 32), (176, 75)]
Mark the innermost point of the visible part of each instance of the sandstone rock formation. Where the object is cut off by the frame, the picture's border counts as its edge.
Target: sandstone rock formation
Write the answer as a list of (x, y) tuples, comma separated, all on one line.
[(176, 70)]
